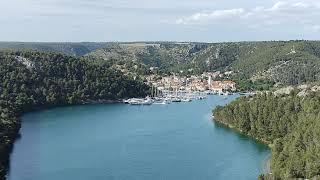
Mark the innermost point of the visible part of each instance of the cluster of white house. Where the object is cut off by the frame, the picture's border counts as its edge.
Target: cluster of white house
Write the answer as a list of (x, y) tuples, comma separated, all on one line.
[(193, 83)]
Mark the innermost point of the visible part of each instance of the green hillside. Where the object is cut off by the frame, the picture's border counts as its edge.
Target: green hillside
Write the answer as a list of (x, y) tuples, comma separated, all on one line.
[(169, 57), (256, 65), (291, 62), (284, 62), (32, 80), (72, 49), (290, 123)]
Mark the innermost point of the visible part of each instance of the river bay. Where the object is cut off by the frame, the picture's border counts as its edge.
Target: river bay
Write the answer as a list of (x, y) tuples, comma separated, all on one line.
[(178, 141)]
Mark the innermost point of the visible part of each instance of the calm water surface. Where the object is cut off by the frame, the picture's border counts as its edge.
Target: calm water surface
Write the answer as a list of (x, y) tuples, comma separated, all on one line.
[(122, 142)]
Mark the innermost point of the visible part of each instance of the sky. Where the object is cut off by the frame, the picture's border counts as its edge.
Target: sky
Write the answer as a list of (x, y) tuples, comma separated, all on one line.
[(159, 20)]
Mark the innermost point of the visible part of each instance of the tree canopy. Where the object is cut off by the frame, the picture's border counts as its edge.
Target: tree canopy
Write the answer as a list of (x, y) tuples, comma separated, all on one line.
[(31, 80), (289, 122)]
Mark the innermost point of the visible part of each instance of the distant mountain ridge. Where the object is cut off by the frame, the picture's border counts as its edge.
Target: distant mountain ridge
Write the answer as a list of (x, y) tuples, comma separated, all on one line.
[(73, 49), (285, 62), (280, 62)]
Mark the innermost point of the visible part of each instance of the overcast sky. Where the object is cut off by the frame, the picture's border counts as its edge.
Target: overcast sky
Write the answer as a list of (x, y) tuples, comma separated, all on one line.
[(159, 20)]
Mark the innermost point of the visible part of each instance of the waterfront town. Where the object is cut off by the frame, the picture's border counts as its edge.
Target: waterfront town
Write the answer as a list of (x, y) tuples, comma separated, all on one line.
[(201, 83), (167, 89)]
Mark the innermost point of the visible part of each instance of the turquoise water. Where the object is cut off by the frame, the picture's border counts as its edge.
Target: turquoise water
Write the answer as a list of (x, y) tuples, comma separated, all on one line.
[(122, 142)]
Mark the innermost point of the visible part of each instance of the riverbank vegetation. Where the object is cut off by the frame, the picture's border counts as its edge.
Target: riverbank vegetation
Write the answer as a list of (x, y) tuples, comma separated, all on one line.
[(289, 123), (32, 80)]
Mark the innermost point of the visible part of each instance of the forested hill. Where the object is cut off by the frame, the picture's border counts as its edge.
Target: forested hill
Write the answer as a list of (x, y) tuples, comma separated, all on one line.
[(285, 62), (271, 62), (291, 123), (30, 80), (72, 49)]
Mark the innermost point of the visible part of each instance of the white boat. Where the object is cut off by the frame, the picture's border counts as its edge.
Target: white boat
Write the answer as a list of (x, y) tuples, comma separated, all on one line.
[(186, 100), (176, 99), (137, 101), (147, 101), (161, 103)]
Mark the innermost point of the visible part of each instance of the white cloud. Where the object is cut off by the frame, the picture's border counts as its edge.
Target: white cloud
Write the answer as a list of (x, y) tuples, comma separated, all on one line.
[(205, 16), (200, 20), (281, 12), (278, 6)]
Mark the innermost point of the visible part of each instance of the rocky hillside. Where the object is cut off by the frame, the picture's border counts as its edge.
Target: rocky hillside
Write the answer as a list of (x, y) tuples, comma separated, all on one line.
[(139, 57), (274, 62), (285, 62)]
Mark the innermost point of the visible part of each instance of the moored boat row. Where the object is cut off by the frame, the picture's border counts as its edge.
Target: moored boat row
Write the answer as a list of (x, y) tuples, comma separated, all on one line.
[(169, 97)]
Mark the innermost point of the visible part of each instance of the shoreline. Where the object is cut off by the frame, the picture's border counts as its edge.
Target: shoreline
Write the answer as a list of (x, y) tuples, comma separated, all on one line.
[(270, 145), (12, 133), (266, 164), (108, 102)]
